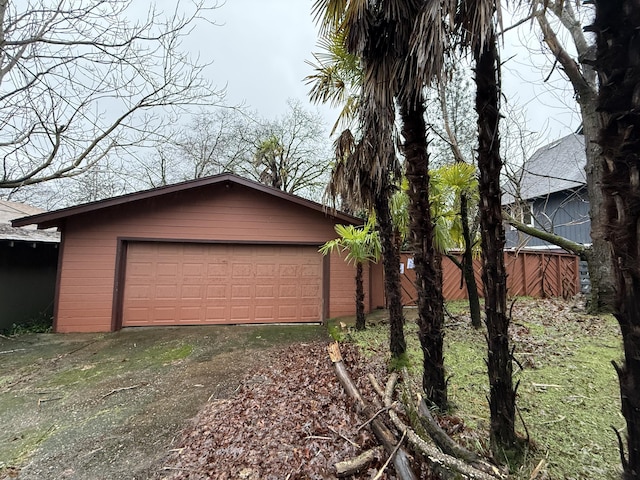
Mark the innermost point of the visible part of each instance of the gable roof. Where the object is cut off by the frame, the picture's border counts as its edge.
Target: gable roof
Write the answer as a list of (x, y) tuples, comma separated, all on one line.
[(553, 168), (11, 210), (56, 217)]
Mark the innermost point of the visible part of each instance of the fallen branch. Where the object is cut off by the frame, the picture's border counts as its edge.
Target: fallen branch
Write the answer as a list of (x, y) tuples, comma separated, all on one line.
[(355, 465), (44, 400), (447, 466), (121, 389), (441, 438), (386, 464), (13, 351), (380, 430)]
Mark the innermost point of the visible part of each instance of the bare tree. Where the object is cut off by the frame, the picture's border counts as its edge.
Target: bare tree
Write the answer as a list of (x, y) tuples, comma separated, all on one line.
[(559, 20), (81, 80), (291, 153), (209, 144)]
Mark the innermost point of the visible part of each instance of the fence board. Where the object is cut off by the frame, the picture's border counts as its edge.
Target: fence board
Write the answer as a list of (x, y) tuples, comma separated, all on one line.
[(534, 274)]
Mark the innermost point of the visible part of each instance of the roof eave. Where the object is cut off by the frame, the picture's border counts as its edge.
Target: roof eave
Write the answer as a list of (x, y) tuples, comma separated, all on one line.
[(57, 217)]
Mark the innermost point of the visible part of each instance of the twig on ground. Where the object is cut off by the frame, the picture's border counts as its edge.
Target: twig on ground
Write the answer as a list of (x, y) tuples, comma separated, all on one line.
[(317, 437), (44, 400), (344, 438), (13, 351), (79, 348), (395, 450), (382, 410), (122, 389), (536, 471)]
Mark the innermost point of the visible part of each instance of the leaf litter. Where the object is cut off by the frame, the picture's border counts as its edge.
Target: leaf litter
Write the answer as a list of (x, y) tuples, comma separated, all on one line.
[(290, 420)]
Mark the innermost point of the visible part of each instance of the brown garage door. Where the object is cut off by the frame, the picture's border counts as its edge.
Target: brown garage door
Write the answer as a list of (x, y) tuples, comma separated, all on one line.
[(192, 284)]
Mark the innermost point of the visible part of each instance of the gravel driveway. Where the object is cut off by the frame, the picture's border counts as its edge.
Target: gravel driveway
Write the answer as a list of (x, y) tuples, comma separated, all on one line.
[(110, 406)]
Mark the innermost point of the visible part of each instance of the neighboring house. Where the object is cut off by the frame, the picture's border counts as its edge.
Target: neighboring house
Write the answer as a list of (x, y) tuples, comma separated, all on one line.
[(553, 193), (550, 193), (28, 264), (216, 250)]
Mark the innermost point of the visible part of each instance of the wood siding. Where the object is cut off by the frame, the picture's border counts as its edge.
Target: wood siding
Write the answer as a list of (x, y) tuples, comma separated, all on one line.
[(232, 214), (534, 274), (564, 213)]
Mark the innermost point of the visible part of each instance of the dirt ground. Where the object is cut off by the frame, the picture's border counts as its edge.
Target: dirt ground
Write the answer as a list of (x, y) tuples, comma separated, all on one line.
[(111, 406)]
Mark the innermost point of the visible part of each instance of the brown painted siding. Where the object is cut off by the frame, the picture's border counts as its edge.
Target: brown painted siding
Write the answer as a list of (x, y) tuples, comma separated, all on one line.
[(343, 281), (233, 214)]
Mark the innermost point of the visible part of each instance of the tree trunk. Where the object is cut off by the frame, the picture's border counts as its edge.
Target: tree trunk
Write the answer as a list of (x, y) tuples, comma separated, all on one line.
[(391, 265), (617, 23), (360, 318), (429, 290), (599, 260), (583, 79), (467, 265), (502, 396)]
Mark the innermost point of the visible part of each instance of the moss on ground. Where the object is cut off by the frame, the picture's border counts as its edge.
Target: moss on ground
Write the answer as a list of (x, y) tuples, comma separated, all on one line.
[(18, 447)]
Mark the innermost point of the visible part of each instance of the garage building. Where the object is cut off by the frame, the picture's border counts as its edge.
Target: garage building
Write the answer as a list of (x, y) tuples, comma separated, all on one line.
[(217, 250)]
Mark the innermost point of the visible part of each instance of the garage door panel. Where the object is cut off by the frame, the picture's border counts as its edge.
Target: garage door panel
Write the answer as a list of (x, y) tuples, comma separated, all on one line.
[(174, 283), (310, 291), (288, 291), (264, 291), (242, 270), (218, 269), (192, 292), (216, 292)]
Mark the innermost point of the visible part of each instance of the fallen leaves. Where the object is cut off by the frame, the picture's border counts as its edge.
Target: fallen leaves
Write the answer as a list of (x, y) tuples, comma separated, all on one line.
[(289, 420)]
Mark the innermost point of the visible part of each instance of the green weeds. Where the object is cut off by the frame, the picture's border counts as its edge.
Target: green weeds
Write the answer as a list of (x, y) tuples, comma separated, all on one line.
[(568, 394)]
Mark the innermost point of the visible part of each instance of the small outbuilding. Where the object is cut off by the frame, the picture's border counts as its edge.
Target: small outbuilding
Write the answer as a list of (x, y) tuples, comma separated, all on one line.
[(217, 250), (28, 263)]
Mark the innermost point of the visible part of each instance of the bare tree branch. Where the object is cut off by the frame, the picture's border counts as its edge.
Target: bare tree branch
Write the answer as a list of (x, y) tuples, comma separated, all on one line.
[(81, 80)]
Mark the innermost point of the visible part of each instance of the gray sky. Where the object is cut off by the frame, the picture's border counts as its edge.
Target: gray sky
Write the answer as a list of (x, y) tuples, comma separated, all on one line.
[(260, 47)]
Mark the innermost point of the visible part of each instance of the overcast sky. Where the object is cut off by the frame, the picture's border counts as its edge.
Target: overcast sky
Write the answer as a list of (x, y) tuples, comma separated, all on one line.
[(260, 47)]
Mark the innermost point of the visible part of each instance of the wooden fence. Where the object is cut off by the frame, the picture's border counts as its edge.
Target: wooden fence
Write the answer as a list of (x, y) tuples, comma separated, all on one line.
[(533, 274)]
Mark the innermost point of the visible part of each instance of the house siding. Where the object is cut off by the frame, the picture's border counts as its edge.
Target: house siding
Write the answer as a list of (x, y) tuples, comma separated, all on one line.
[(229, 214), (564, 213)]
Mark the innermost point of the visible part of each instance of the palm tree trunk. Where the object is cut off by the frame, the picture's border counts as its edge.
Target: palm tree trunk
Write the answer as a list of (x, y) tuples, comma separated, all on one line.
[(430, 301), (502, 395), (390, 263), (467, 265), (617, 23), (360, 318)]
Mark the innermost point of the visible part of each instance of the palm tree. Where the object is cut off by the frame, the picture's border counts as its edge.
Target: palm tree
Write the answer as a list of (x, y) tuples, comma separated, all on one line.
[(617, 23), (454, 190), (360, 245), (378, 33), (338, 80), (476, 23)]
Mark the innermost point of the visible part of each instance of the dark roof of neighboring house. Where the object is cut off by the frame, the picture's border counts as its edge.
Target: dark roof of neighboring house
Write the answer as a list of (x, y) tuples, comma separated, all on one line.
[(11, 210), (553, 168), (56, 217)]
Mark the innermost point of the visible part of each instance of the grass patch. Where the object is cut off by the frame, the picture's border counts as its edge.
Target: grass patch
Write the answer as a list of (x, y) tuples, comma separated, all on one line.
[(18, 447), (158, 355), (268, 335), (73, 376), (568, 395)]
